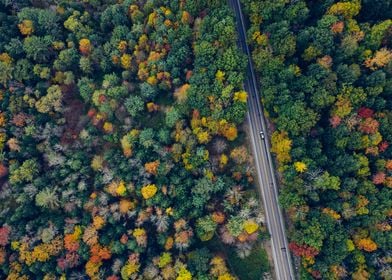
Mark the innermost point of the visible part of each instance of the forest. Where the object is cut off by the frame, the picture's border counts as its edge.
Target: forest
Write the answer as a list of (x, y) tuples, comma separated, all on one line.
[(122, 149), (325, 71)]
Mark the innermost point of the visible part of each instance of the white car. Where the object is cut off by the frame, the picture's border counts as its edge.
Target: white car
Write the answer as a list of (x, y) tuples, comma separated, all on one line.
[(262, 135)]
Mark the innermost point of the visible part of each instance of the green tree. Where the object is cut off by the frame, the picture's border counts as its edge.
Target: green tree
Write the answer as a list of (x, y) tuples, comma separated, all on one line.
[(205, 228), (67, 59), (24, 173), (47, 198), (38, 48), (45, 21), (5, 73), (172, 116), (134, 105), (326, 181)]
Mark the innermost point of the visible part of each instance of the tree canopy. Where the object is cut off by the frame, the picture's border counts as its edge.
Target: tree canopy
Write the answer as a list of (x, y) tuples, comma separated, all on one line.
[(325, 73)]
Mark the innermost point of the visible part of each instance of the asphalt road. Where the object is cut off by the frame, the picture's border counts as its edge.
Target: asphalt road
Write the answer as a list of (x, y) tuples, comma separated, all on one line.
[(263, 161)]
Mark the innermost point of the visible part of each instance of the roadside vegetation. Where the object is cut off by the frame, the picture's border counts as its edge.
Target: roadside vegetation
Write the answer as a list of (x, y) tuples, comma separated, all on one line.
[(325, 69), (121, 152)]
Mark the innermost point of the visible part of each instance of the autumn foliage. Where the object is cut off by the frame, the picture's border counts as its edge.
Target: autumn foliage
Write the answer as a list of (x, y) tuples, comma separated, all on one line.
[(303, 250), (26, 27), (85, 46), (325, 87), (152, 167), (122, 141), (366, 244), (281, 146)]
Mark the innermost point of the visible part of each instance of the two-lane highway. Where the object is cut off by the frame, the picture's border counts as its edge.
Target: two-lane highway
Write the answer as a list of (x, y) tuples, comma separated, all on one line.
[(263, 161)]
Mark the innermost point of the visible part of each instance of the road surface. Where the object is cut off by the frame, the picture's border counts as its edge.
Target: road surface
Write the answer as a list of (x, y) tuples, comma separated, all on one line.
[(263, 161)]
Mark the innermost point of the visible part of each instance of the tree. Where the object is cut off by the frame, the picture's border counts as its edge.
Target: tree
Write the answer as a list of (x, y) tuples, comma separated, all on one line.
[(4, 235), (239, 154), (67, 59), (22, 70), (230, 132), (47, 198), (297, 119), (86, 88), (52, 101), (300, 166), (172, 116), (85, 65), (380, 59), (84, 46), (146, 137), (378, 32), (113, 15), (5, 73), (303, 250), (26, 27), (134, 105), (126, 61), (78, 23), (346, 9), (367, 244), (25, 172), (281, 146), (43, 21), (205, 228), (326, 181), (311, 234), (152, 167), (38, 48), (121, 131)]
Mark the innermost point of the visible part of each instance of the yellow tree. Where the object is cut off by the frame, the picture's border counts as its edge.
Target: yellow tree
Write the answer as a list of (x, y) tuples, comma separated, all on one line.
[(241, 96), (220, 76), (260, 39), (367, 244), (203, 136), (126, 61), (300, 166), (223, 160), (281, 146), (332, 213), (85, 46), (184, 274), (122, 46), (149, 191), (121, 189), (230, 132), (380, 59), (186, 17), (26, 27), (152, 80), (97, 163), (152, 107), (347, 9)]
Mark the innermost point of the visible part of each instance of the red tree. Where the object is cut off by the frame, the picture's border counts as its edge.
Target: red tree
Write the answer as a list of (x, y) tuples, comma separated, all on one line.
[(4, 235), (383, 146), (335, 121), (3, 170), (369, 126), (379, 178), (364, 112), (303, 250)]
